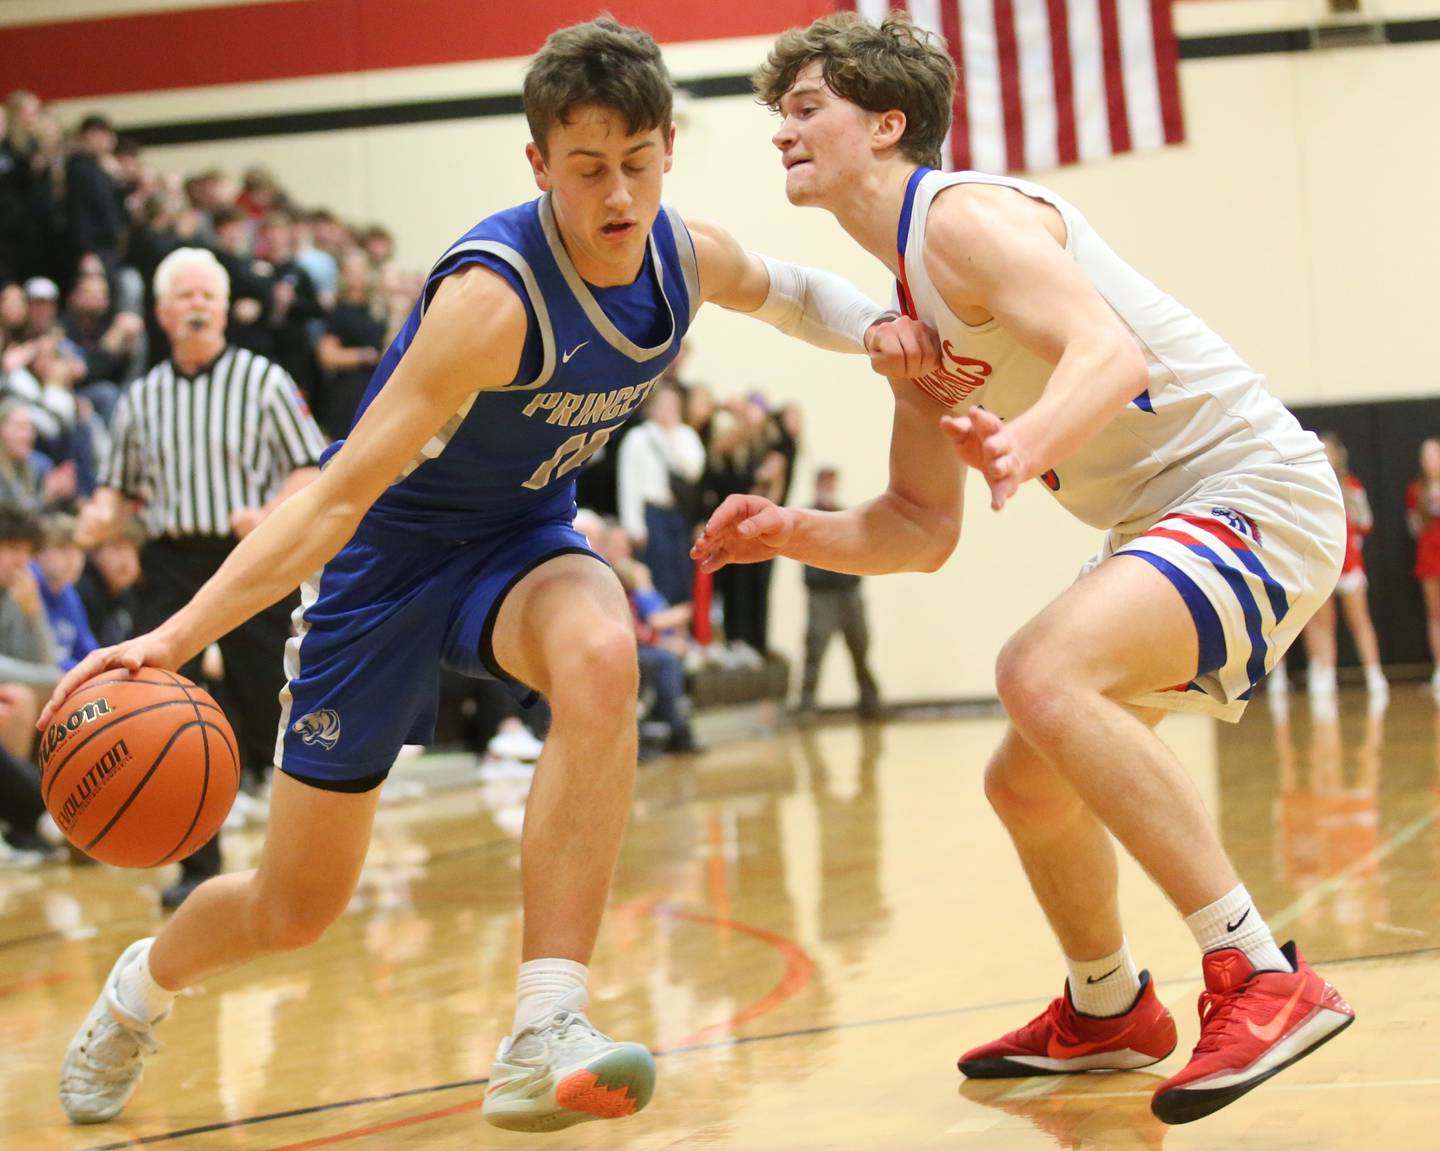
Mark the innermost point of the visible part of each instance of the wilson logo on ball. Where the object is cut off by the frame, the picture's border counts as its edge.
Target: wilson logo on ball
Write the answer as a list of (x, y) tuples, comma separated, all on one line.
[(60, 732), (79, 799)]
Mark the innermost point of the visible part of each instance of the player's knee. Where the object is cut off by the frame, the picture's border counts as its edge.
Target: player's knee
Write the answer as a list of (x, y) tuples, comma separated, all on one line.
[(1015, 790), (600, 671), (289, 922), (1024, 680)]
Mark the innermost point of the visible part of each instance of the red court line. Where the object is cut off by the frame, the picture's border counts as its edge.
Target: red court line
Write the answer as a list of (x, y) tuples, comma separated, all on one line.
[(799, 968), (381, 1128)]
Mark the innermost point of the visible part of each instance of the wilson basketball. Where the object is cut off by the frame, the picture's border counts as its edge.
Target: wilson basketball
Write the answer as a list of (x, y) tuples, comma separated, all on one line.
[(139, 769)]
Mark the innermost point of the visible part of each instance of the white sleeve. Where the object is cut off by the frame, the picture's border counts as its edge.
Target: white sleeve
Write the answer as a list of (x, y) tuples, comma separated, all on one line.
[(819, 307), (689, 452), (630, 483)]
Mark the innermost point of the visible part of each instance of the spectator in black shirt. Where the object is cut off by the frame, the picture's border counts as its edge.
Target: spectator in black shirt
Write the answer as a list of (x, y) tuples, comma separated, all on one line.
[(351, 346), (294, 301), (92, 202), (20, 238), (107, 586)]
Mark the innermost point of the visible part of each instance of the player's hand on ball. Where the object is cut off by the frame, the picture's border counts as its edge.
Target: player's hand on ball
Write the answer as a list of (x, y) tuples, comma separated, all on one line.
[(902, 348), (142, 651), (745, 529), (984, 441)]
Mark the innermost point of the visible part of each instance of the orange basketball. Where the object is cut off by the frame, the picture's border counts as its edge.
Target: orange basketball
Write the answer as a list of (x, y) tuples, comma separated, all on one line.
[(139, 769)]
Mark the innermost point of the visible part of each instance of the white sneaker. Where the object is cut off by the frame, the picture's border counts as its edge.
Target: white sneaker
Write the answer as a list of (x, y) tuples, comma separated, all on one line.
[(562, 1071), (514, 741), (105, 1059)]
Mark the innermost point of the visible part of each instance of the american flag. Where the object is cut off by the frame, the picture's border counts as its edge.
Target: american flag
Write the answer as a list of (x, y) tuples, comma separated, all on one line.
[(1051, 82)]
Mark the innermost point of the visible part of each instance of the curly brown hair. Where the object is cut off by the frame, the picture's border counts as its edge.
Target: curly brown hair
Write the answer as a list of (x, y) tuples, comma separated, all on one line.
[(602, 62), (878, 67)]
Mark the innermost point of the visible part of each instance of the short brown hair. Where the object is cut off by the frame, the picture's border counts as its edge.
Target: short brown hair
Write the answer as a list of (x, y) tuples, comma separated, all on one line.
[(603, 62), (892, 65)]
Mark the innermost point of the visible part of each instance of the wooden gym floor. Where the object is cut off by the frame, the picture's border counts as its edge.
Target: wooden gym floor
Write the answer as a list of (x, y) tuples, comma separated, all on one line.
[(807, 931)]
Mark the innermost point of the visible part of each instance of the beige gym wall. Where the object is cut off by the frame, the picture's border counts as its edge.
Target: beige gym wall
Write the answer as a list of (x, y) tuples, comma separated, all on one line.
[(1297, 220)]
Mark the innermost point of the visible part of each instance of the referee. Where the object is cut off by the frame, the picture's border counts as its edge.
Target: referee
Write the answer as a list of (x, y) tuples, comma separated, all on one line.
[(206, 444)]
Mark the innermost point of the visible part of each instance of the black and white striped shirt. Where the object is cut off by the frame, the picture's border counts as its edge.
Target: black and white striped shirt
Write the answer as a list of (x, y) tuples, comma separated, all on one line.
[(194, 450)]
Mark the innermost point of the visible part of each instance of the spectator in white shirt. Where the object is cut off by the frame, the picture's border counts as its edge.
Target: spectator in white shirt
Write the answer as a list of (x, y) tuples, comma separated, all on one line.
[(660, 466)]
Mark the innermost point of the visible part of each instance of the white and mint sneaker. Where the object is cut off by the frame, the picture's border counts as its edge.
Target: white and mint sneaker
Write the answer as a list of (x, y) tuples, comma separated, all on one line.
[(562, 1071), (105, 1059)]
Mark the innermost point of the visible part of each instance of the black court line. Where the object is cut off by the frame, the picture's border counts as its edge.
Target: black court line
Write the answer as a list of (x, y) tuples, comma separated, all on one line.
[(335, 119), (730, 1041)]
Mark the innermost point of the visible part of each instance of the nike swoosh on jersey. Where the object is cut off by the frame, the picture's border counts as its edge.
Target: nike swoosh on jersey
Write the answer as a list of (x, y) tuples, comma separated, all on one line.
[(1272, 1030), (565, 358)]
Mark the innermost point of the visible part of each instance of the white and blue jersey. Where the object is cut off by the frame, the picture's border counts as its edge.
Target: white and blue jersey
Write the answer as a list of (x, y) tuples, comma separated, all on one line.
[(1204, 475), (488, 499)]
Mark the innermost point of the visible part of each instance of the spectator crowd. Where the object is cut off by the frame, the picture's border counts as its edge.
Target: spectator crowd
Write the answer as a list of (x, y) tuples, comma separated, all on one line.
[(86, 220)]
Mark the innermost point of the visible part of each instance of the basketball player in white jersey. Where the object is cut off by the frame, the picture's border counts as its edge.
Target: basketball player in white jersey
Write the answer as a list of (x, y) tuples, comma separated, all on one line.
[(1225, 532)]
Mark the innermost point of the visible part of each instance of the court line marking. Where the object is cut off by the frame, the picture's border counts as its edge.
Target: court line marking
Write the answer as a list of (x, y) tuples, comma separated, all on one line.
[(1049, 1083), (1323, 891), (799, 968), (701, 1040)]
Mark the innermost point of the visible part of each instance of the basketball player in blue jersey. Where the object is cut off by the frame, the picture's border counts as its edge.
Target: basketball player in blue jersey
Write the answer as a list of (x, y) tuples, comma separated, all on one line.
[(1225, 532), (440, 531)]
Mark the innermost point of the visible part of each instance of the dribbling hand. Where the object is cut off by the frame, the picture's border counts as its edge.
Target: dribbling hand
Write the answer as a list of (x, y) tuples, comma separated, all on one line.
[(142, 651), (745, 529), (986, 444)]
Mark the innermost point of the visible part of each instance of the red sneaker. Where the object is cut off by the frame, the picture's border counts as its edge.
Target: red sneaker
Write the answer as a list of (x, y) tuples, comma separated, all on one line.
[(1061, 1040), (1253, 1024)]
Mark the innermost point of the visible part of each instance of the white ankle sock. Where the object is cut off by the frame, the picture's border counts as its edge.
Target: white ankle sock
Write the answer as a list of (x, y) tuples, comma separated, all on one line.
[(1375, 677), (1233, 920), (1320, 679), (542, 984), (140, 993), (1104, 986)]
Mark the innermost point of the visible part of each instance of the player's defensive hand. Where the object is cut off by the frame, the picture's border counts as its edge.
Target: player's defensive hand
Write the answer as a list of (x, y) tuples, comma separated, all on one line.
[(143, 651), (902, 348), (984, 441), (745, 529)]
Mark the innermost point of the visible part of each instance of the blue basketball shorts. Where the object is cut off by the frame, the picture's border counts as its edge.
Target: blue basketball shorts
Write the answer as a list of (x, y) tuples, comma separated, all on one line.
[(374, 627)]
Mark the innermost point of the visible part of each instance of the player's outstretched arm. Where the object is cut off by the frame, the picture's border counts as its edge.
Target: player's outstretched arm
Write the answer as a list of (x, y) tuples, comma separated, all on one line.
[(816, 306), (913, 525), (471, 340), (989, 248)]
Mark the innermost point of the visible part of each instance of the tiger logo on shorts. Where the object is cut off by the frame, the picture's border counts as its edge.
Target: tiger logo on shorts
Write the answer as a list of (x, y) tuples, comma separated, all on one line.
[(322, 727)]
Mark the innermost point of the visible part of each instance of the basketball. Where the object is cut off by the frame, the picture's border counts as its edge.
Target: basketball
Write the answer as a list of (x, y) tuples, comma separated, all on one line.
[(140, 769)]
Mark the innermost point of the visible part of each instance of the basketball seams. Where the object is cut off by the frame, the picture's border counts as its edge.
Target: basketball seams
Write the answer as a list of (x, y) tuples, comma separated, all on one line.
[(171, 855), (204, 782), (150, 772)]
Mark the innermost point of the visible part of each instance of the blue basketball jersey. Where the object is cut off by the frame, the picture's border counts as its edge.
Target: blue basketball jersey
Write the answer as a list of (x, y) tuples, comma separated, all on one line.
[(592, 356)]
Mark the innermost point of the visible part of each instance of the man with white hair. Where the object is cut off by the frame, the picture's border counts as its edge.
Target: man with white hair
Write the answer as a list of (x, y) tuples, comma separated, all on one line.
[(205, 445)]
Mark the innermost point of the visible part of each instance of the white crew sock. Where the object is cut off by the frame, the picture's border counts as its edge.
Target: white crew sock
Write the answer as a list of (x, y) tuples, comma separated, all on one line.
[(138, 991), (1233, 920), (1375, 678), (1104, 986), (541, 985), (1320, 679)]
